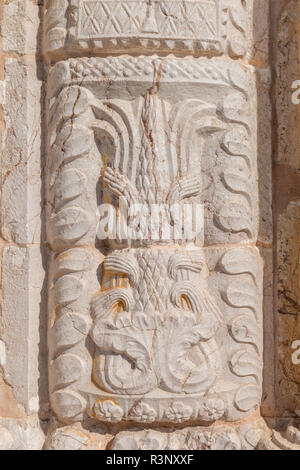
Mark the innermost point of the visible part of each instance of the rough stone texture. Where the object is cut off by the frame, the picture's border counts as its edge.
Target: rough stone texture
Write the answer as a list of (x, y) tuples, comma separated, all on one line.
[(288, 300), (77, 438), (202, 27), (21, 434), (125, 118), (22, 282), (21, 33), (165, 342), (21, 167), (23, 377), (244, 436), (95, 99), (287, 200)]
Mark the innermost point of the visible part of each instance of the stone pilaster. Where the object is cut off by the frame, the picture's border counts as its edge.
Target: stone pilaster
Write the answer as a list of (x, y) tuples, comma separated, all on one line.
[(23, 383), (165, 328)]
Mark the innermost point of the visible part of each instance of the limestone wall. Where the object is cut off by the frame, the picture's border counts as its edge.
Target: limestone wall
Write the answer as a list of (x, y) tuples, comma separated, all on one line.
[(169, 335)]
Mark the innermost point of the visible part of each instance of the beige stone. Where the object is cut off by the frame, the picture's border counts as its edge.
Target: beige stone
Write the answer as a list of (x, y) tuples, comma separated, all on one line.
[(22, 285), (219, 437), (288, 203), (77, 438), (205, 28), (21, 434), (116, 95), (21, 32), (149, 235), (21, 205)]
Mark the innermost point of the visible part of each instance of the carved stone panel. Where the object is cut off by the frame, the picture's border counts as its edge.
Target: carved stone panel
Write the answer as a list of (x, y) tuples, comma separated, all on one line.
[(164, 326), (161, 132), (200, 26)]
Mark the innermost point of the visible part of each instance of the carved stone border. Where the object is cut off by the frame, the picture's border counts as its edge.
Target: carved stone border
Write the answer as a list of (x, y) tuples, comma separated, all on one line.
[(228, 33), (72, 216)]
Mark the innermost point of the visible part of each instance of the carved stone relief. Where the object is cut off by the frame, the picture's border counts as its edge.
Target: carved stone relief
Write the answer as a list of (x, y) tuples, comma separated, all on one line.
[(165, 329), (201, 26), (137, 187)]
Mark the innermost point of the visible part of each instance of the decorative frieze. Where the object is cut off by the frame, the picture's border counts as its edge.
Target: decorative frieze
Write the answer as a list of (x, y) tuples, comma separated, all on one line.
[(115, 26)]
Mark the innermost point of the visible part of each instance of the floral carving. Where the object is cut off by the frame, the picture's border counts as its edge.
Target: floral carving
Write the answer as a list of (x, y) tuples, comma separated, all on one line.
[(178, 412), (207, 26)]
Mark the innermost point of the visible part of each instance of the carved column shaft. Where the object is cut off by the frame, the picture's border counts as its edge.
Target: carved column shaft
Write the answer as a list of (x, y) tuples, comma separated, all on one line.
[(164, 326)]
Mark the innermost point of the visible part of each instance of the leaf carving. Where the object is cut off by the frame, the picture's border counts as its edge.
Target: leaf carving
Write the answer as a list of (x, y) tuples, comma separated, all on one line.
[(244, 329), (241, 261), (199, 301), (234, 109), (247, 397), (77, 327), (69, 185)]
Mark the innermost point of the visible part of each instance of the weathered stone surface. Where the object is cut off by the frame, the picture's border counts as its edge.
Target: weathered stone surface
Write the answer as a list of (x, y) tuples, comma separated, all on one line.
[(22, 434), (21, 204), (125, 119), (76, 438), (287, 199), (22, 287), (113, 98), (153, 145), (264, 157), (287, 440), (9, 407), (155, 131), (218, 437), (22, 277), (21, 26), (259, 30), (204, 27), (268, 407), (288, 307)]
